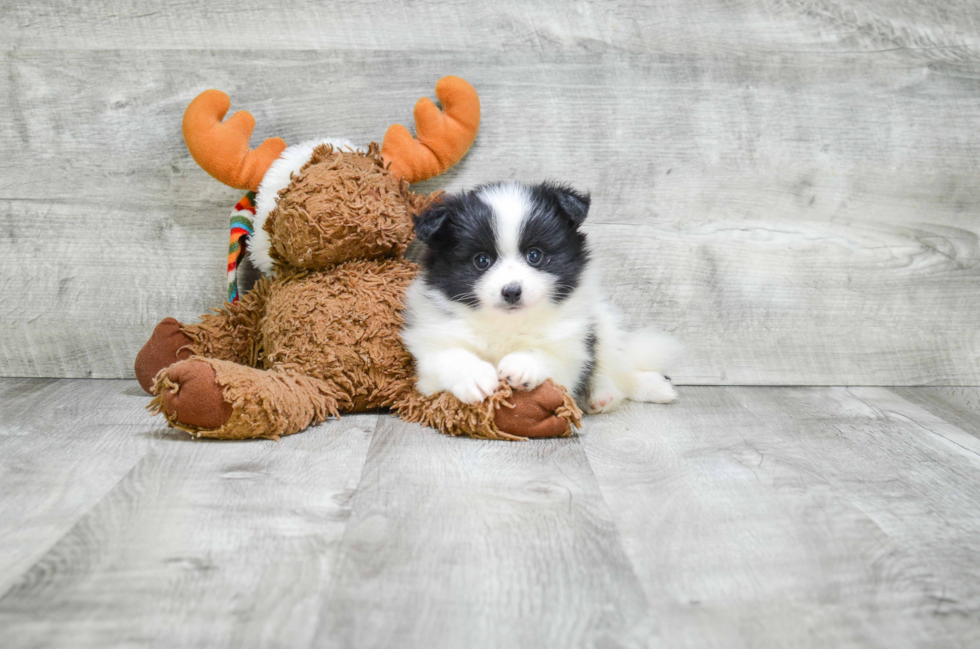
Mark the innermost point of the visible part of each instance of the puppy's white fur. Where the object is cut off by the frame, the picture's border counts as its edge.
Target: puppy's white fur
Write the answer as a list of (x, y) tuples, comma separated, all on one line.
[(464, 349)]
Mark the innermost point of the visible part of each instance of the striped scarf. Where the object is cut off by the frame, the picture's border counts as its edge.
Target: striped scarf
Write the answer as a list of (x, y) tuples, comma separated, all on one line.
[(241, 230)]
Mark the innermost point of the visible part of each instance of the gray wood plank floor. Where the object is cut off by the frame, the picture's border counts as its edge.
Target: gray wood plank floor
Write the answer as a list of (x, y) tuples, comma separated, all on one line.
[(738, 517)]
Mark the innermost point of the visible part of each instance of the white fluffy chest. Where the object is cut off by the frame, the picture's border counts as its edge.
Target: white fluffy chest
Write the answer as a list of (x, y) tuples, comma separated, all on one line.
[(436, 325), (491, 338)]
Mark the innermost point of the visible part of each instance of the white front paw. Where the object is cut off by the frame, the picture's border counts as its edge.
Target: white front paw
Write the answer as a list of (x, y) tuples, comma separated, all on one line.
[(523, 370), (478, 384)]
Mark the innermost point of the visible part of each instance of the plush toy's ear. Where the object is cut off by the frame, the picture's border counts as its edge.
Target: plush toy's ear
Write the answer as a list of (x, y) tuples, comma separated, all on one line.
[(444, 136), (221, 148), (573, 205), (432, 221)]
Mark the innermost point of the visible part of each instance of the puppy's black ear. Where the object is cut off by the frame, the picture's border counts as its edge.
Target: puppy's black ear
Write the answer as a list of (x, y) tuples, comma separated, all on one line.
[(573, 205), (431, 221)]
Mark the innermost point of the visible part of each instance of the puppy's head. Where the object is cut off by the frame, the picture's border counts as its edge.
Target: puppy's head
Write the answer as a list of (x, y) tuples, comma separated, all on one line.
[(505, 246)]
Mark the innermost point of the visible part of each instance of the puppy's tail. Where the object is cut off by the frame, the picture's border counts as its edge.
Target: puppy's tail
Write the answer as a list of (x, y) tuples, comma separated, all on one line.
[(649, 350)]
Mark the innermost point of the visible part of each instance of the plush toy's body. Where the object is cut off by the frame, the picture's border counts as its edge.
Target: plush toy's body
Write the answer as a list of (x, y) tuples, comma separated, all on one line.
[(320, 335)]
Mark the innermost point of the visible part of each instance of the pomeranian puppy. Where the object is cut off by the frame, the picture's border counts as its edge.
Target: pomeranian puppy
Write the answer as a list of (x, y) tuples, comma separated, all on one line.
[(508, 291)]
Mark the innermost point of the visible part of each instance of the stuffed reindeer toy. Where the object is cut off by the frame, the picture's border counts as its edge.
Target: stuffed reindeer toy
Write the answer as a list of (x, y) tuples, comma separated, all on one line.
[(319, 334)]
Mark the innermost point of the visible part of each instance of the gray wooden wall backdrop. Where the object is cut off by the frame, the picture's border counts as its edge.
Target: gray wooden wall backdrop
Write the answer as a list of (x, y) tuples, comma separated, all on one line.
[(790, 187)]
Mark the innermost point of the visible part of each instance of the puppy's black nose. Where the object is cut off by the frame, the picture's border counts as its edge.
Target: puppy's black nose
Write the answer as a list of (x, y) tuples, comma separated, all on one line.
[(511, 293)]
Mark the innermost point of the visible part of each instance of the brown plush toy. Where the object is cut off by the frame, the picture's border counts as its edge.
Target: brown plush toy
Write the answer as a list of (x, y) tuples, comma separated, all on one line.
[(320, 335)]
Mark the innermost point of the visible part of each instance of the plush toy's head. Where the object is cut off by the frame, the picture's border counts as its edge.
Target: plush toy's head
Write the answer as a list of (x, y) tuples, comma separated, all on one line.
[(339, 204), (326, 201)]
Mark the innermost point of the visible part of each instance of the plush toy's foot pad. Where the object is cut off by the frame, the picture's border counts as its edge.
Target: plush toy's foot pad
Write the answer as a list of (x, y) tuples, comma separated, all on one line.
[(193, 397), (166, 346), (544, 411)]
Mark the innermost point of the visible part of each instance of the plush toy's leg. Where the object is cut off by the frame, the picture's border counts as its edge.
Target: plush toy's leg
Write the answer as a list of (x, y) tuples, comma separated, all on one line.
[(208, 397), (230, 334), (546, 411), (167, 345)]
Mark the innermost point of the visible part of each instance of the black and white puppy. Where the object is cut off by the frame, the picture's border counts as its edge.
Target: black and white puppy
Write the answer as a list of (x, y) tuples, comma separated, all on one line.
[(507, 291)]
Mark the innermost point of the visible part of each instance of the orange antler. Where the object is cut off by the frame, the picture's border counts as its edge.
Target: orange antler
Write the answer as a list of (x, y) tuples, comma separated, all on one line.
[(444, 135), (221, 148)]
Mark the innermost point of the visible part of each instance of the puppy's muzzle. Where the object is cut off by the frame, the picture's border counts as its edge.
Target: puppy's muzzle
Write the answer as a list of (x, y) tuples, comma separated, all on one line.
[(511, 293)]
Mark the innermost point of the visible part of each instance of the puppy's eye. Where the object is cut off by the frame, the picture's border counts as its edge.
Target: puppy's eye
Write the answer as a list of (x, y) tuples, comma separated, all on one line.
[(534, 256), (481, 260)]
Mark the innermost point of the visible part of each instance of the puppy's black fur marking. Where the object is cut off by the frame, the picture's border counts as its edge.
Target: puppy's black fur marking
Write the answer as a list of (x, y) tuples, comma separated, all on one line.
[(454, 231), (431, 221), (583, 387), (553, 226), (573, 205), (461, 226)]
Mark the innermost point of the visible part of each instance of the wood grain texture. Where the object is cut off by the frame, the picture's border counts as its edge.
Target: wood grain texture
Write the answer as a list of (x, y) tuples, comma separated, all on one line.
[(465, 543), (915, 477), (198, 545), (64, 445), (946, 29), (737, 517), (790, 187), (958, 406), (794, 517)]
